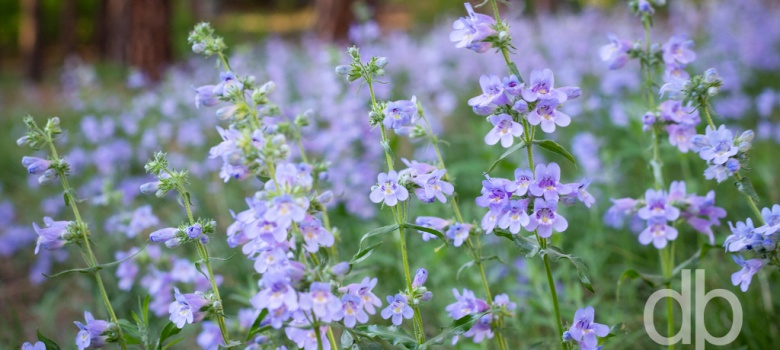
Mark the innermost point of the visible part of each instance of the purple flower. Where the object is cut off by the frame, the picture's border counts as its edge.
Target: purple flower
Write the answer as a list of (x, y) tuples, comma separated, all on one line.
[(304, 336), (745, 275), (434, 187), (743, 236), (433, 222), (523, 180), (656, 206), (618, 211), (721, 145), (495, 194), (772, 220), (90, 335), (516, 216), (36, 166), (194, 231), (277, 291), (504, 129), (51, 237), (502, 300), (469, 32), (616, 52), (285, 209), (545, 219), (204, 96), (546, 114), (420, 277), (231, 154), (165, 235), (675, 71), (314, 235), (492, 92), (187, 308), (352, 311), (321, 302), (210, 336), (363, 290), (547, 182), (399, 114), (458, 232), (490, 220), (277, 317), (142, 219), (512, 85), (269, 231), (681, 135), (542, 87), (717, 172), (585, 330), (657, 232), (38, 346), (674, 111), (466, 304), (228, 80), (127, 270), (272, 257), (645, 7), (675, 86), (388, 190), (292, 175), (398, 309), (481, 329), (580, 190), (678, 50)]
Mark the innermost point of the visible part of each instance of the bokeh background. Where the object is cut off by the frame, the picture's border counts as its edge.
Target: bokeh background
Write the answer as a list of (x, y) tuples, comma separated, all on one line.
[(120, 75)]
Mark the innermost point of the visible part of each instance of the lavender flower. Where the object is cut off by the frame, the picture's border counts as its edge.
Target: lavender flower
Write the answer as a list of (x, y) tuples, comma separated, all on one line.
[(458, 232), (165, 235), (91, 334), (466, 304), (277, 291), (399, 114), (388, 190), (681, 135), (616, 52), (657, 232), (743, 236), (36, 166), (304, 336), (398, 309), (285, 209), (433, 222), (469, 32), (744, 276), (492, 92), (516, 216), (772, 219), (504, 129), (523, 180), (584, 329), (656, 206), (545, 218), (187, 308), (420, 277), (678, 50), (721, 146), (204, 96), (542, 87), (314, 235), (210, 337), (495, 194), (38, 346), (546, 114), (321, 302), (512, 85), (352, 310), (52, 237), (547, 182), (434, 187), (481, 329)]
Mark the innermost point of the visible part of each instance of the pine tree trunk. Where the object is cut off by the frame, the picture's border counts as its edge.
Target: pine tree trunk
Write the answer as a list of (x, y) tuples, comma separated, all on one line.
[(149, 45), (333, 18), (30, 39)]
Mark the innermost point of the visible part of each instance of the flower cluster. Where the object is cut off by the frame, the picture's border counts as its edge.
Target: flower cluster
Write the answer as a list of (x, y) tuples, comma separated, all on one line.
[(427, 182), (725, 154), (509, 104), (96, 333), (530, 200), (661, 209), (761, 241), (468, 304)]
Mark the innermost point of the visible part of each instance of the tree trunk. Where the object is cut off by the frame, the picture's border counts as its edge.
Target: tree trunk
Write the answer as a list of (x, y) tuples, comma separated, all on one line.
[(30, 38), (333, 18), (68, 26), (149, 45)]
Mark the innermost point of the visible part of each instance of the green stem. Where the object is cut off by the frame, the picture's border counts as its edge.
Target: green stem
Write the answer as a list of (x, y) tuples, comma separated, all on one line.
[(89, 257), (332, 339)]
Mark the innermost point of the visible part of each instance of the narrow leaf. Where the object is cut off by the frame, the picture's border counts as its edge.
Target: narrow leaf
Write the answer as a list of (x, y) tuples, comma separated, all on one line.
[(650, 280), (168, 331), (256, 325), (457, 327), (50, 344), (429, 230), (527, 245), (379, 231), (364, 253), (746, 187), (554, 147), (555, 254)]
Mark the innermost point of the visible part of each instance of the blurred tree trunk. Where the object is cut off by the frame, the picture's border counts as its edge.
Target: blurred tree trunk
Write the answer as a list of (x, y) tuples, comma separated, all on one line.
[(30, 38), (333, 18), (149, 46), (68, 26)]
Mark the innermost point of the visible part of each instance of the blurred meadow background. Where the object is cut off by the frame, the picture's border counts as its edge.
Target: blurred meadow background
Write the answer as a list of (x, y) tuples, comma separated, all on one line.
[(120, 76)]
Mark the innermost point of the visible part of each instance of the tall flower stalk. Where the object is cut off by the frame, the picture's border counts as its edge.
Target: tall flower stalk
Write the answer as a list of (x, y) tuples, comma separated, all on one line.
[(75, 232)]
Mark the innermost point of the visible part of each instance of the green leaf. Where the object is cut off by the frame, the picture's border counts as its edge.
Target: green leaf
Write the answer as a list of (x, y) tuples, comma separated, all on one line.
[(378, 231), (458, 326), (554, 147), (392, 334), (429, 230), (650, 280), (168, 331), (346, 340), (232, 344), (510, 150), (172, 343), (463, 267), (746, 187), (363, 254), (145, 309), (256, 325), (692, 261), (513, 69), (82, 270), (50, 344), (389, 151), (130, 331), (527, 245), (555, 254)]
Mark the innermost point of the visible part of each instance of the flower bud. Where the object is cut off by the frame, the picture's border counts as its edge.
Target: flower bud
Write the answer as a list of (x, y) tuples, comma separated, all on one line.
[(150, 187), (278, 140), (711, 76), (340, 269), (420, 278), (325, 197), (48, 175), (380, 72), (198, 48), (268, 88), (712, 91), (323, 177), (732, 165), (503, 35), (427, 296), (381, 62), (163, 235), (23, 141), (342, 70), (353, 52)]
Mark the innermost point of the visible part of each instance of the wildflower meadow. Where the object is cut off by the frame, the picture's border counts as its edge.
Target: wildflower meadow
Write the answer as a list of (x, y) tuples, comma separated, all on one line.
[(600, 177)]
